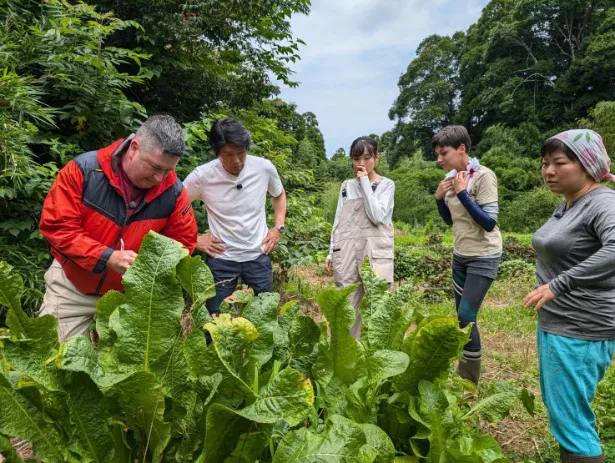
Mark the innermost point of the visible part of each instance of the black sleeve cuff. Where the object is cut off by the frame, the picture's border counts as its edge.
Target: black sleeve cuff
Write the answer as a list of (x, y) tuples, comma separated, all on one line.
[(102, 262)]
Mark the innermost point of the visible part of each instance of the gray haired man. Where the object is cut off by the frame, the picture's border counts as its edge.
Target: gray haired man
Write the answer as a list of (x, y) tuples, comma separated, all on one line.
[(97, 212)]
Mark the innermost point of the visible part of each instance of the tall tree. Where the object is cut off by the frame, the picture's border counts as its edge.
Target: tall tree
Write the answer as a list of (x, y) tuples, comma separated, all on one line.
[(429, 94), (205, 53)]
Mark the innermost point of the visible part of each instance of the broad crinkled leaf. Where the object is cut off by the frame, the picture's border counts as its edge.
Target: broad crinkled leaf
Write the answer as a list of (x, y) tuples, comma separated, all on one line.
[(303, 335), (232, 338), (342, 440), (172, 369), (281, 341), (289, 397), (105, 307), (485, 448), (231, 437), (262, 312), (196, 278), (496, 407), (91, 433), (391, 319), (139, 400), (32, 340), (383, 364), (337, 354), (380, 441), (432, 347), (375, 297), (148, 322), (432, 410), (78, 355), (20, 418)]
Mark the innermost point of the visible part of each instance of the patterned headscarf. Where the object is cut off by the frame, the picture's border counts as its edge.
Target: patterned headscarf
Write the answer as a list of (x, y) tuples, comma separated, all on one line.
[(589, 148)]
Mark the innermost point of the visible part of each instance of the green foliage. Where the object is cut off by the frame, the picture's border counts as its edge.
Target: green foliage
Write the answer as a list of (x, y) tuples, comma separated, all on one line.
[(429, 96), (602, 120), (529, 210), (205, 53), (47, 51), (603, 405), (271, 386)]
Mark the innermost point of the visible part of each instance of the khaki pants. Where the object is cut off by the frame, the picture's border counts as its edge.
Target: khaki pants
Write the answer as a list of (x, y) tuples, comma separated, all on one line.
[(73, 309)]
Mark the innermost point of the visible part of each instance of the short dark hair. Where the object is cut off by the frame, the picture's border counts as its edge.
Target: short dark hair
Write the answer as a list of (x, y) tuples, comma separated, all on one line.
[(453, 136), (554, 144), (228, 130), (162, 131), (361, 144)]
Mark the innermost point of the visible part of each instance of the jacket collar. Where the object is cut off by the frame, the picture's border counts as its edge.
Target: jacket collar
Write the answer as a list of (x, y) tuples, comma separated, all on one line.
[(109, 158)]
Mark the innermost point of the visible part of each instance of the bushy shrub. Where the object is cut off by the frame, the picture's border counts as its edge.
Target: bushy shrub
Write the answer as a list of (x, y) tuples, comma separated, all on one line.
[(528, 211)]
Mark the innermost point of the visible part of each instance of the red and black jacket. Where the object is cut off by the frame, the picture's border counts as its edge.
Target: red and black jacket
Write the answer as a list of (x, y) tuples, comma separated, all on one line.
[(84, 217)]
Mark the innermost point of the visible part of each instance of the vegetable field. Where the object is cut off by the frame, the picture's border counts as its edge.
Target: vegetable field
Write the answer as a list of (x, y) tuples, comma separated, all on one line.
[(272, 386)]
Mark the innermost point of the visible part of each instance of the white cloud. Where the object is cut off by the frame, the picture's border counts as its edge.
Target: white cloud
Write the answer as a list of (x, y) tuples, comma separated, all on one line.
[(356, 50)]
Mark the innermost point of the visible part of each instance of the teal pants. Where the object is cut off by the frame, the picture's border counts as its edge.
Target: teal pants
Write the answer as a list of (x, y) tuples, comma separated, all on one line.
[(570, 370)]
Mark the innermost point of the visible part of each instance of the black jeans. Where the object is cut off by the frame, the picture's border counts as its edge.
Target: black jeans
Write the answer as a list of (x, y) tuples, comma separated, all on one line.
[(257, 274)]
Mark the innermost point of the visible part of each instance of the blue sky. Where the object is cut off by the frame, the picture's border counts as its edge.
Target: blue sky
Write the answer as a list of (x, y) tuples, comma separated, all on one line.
[(356, 51)]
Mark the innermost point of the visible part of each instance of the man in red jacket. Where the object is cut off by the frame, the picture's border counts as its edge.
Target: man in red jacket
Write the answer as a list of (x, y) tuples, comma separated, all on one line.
[(97, 212)]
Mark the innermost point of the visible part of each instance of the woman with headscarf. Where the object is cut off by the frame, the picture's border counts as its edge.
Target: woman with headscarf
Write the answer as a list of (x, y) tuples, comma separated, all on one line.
[(575, 295)]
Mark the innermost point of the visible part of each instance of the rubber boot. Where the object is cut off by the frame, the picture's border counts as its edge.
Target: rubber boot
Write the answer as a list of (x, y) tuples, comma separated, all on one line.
[(469, 368), (567, 457)]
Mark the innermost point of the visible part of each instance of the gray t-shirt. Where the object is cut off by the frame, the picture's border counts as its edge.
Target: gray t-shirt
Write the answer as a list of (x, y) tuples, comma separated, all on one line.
[(575, 252)]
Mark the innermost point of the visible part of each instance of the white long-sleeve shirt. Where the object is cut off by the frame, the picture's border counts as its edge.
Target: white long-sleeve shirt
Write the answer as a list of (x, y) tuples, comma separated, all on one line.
[(378, 204)]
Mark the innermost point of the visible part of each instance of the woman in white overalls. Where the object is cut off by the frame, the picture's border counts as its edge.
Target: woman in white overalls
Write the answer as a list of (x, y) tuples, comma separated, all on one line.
[(363, 225)]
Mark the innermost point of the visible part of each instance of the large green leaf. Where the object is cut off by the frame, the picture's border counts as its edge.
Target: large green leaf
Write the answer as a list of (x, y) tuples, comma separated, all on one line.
[(303, 336), (91, 435), (172, 369), (383, 364), (289, 397), (281, 341), (362, 397), (497, 406), (432, 410), (232, 340), (148, 322), (104, 308), (78, 355), (196, 278), (342, 440), (139, 401), (432, 347), (232, 438), (32, 340), (262, 312), (20, 418), (380, 441), (376, 296), (391, 319), (337, 353), (483, 449)]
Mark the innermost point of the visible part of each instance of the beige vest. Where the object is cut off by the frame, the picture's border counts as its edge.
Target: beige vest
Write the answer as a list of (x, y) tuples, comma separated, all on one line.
[(355, 238), (471, 240)]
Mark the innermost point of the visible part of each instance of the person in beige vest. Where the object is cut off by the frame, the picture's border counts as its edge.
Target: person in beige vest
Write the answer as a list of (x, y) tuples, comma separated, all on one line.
[(467, 199), (363, 225)]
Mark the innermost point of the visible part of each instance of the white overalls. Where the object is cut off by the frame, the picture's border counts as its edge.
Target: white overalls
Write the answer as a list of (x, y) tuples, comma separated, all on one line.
[(355, 238)]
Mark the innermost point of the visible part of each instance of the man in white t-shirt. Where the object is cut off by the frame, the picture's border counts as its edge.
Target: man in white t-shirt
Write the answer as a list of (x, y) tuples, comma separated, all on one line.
[(234, 189)]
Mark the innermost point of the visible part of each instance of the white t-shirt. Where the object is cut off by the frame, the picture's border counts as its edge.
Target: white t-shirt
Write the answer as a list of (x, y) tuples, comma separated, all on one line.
[(378, 203), (236, 216)]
